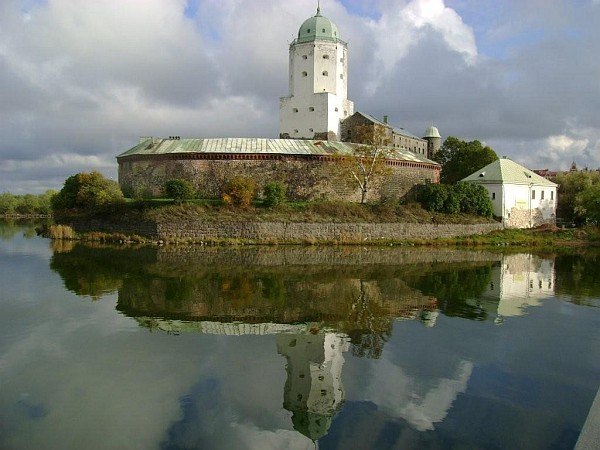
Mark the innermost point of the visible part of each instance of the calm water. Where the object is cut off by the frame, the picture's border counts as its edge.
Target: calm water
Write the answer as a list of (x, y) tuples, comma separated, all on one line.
[(266, 348)]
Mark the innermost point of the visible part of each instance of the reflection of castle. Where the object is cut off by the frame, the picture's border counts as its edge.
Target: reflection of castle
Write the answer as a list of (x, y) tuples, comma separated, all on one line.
[(520, 281), (313, 389)]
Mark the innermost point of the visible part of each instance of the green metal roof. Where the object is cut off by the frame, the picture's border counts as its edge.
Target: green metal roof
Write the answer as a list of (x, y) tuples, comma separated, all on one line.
[(160, 146), (318, 28), (507, 171)]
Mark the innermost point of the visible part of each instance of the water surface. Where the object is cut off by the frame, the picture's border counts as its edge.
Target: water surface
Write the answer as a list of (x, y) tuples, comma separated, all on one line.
[(260, 347)]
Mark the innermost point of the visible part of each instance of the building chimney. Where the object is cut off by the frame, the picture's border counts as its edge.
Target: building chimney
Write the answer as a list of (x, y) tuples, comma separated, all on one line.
[(385, 119)]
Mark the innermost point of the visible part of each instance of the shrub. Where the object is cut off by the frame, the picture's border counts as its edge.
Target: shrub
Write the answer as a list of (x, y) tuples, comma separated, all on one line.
[(179, 189), (433, 196), (87, 191), (239, 192), (274, 194), (461, 198)]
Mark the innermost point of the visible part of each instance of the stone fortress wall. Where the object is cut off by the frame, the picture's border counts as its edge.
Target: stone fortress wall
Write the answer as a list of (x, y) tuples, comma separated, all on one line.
[(306, 177)]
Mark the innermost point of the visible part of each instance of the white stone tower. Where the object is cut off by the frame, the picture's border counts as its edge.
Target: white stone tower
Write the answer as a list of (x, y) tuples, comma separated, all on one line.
[(318, 98)]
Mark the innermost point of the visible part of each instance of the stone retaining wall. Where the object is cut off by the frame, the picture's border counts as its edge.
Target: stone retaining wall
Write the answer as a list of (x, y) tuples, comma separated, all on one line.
[(273, 232), (284, 232)]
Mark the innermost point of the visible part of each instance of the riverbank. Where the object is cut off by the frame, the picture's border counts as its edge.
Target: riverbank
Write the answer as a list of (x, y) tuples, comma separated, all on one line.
[(315, 223)]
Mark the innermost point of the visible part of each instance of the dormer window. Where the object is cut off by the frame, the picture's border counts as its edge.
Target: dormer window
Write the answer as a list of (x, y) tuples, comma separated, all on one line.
[(482, 174)]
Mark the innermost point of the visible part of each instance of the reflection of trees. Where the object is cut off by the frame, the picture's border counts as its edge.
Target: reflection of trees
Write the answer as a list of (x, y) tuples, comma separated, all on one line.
[(371, 330), (577, 276), (95, 271), (454, 286), (10, 228)]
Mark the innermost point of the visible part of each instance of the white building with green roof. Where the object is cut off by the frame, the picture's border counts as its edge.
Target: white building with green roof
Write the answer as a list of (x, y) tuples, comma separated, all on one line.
[(520, 197)]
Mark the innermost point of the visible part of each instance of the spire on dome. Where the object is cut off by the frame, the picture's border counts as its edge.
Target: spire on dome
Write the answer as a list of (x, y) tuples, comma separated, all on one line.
[(318, 9)]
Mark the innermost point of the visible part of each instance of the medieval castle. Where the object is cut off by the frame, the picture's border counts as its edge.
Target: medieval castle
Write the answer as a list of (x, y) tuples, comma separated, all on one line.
[(318, 124)]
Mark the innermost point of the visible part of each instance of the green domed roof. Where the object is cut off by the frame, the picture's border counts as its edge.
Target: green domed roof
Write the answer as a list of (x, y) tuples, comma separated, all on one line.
[(432, 132), (318, 28)]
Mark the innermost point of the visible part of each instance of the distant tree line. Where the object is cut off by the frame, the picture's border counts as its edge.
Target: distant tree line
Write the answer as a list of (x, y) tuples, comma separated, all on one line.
[(26, 205)]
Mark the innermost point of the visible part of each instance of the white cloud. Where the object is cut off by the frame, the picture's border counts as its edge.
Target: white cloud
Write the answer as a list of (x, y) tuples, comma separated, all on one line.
[(90, 78)]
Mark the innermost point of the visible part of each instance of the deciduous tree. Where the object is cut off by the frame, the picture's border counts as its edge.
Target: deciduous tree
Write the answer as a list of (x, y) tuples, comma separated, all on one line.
[(367, 164), (460, 158)]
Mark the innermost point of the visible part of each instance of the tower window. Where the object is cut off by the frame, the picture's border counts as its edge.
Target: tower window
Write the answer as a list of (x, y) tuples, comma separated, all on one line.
[(304, 74), (336, 109), (323, 30), (341, 76), (493, 196), (295, 110), (325, 56), (311, 130), (311, 109), (308, 31), (296, 131), (325, 73), (304, 57)]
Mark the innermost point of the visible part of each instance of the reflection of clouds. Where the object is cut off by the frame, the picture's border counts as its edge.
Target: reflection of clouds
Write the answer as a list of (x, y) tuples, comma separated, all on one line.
[(255, 438), (421, 402)]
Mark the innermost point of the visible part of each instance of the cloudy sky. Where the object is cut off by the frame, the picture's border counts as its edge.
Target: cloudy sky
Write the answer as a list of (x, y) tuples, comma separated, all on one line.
[(81, 80)]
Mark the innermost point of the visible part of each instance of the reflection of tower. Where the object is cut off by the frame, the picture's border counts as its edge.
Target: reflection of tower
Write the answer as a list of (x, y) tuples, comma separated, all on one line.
[(313, 389)]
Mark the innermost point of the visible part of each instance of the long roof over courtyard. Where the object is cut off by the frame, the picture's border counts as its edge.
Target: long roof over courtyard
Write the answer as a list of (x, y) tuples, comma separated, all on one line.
[(253, 146)]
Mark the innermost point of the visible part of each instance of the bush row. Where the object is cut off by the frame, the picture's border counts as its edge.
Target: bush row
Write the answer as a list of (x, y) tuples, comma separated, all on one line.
[(453, 199)]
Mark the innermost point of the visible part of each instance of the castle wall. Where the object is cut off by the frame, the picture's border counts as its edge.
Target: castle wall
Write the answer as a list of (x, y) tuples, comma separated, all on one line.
[(306, 178)]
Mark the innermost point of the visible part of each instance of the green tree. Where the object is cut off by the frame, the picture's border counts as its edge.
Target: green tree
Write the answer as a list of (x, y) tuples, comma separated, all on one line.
[(460, 158), (367, 164), (179, 190), (8, 203), (570, 186), (87, 191), (587, 204)]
